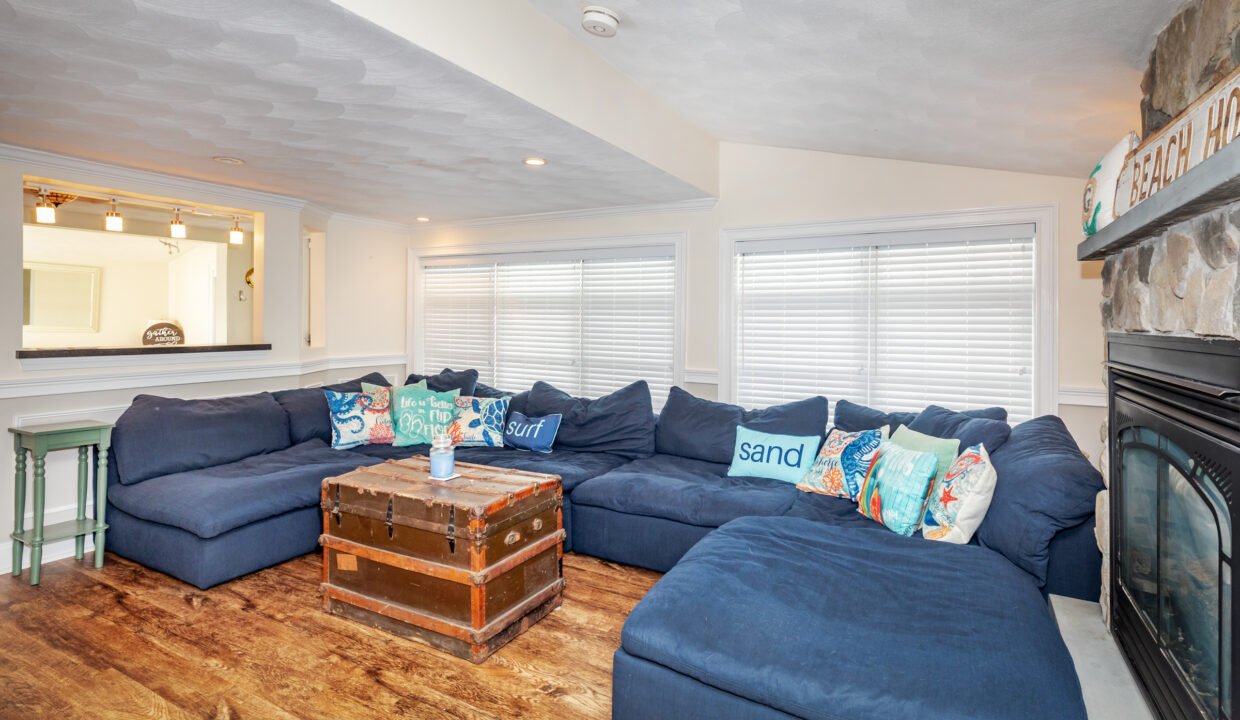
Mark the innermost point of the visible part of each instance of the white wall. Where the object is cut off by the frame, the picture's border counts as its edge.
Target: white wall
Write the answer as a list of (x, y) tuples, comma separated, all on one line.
[(776, 186)]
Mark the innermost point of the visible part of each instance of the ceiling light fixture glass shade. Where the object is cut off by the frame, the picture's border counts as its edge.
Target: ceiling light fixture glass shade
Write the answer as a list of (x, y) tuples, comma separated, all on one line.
[(236, 235), (176, 228), (112, 221), (535, 161), (423, 219), (44, 211)]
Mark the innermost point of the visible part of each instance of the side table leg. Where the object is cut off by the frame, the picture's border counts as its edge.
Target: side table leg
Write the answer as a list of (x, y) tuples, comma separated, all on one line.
[(36, 545), (79, 542), (101, 502), (19, 505)]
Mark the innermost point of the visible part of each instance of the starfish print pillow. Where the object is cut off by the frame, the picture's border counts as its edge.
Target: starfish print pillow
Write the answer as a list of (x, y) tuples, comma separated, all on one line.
[(958, 503)]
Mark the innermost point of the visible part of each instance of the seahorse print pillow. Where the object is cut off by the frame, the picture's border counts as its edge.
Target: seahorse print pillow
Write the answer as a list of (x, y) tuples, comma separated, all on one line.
[(843, 462)]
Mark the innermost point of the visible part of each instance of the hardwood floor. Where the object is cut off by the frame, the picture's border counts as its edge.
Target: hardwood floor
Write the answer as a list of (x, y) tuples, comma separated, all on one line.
[(128, 642)]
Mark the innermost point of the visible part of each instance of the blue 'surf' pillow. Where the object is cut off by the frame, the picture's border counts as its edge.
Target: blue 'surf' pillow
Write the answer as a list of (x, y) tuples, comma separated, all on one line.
[(307, 407), (943, 423), (1045, 484), (447, 380), (621, 423), (527, 433), (854, 417), (160, 436), (706, 430)]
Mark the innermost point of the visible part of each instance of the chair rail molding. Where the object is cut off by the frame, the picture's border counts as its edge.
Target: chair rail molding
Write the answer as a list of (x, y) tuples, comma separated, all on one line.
[(1083, 396)]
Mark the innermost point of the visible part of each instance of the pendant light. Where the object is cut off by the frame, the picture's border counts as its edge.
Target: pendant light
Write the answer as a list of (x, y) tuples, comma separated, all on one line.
[(176, 228), (44, 211), (236, 235), (112, 221)]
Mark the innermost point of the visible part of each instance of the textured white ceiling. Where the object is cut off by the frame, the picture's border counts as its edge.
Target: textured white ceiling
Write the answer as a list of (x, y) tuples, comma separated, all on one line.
[(1042, 86), (322, 105)]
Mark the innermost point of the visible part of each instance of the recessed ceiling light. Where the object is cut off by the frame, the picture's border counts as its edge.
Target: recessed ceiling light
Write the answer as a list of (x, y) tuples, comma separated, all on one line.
[(535, 161), (423, 219), (227, 160)]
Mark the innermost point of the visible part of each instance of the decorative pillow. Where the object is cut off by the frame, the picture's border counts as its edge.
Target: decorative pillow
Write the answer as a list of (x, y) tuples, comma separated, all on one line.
[(700, 429), (621, 423), (527, 433), (958, 504), (1098, 202), (854, 417), (479, 422), (943, 423), (776, 457), (360, 418), (944, 449), (307, 407), (447, 380), (421, 414), (486, 391), (894, 493), (843, 462)]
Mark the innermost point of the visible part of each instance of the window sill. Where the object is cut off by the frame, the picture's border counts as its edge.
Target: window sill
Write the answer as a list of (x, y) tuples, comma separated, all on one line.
[(35, 353)]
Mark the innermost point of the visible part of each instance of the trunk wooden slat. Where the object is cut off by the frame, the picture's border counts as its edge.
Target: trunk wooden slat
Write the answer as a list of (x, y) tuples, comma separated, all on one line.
[(464, 565)]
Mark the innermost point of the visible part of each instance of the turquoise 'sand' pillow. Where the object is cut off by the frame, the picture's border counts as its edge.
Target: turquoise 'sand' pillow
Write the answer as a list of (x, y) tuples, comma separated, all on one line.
[(535, 434), (479, 422), (843, 462), (360, 418), (958, 503), (419, 414), (772, 456), (894, 493)]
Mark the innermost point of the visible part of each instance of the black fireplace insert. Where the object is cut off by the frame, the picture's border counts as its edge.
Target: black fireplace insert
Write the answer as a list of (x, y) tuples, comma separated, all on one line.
[(1175, 454)]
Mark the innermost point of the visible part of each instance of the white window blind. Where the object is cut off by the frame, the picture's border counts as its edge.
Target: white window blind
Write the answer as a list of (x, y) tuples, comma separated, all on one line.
[(588, 323), (896, 321)]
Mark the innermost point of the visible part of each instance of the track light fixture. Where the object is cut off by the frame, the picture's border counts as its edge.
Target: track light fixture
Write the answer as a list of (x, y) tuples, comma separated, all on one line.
[(176, 229), (112, 221), (44, 210), (236, 235)]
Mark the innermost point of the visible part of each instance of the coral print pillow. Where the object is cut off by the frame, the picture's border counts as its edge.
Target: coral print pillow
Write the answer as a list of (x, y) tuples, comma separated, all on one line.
[(421, 414), (894, 493), (362, 418), (958, 503), (479, 422), (843, 462)]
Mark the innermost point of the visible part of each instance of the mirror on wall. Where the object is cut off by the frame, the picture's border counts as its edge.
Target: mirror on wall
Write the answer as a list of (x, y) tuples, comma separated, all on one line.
[(142, 282)]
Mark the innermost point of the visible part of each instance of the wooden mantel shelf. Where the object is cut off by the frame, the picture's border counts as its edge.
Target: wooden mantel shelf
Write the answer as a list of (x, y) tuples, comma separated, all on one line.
[(28, 354), (1210, 185)]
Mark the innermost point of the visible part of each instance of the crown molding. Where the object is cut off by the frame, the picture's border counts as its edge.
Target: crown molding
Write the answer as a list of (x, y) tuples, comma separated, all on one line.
[(695, 205), (41, 161), (390, 224)]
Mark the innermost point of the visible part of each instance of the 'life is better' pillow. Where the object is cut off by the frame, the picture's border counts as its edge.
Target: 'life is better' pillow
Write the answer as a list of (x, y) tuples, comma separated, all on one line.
[(776, 457)]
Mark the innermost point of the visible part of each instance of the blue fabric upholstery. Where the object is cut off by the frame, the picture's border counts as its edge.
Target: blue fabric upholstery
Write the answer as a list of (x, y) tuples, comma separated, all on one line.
[(649, 542), (827, 624), (1045, 485), (943, 423), (832, 510), (205, 563), (157, 435), (684, 490), (853, 417), (573, 468), (621, 423), (307, 407), (389, 452), (692, 427), (1074, 565), (447, 380), (486, 391), (642, 690), (211, 501)]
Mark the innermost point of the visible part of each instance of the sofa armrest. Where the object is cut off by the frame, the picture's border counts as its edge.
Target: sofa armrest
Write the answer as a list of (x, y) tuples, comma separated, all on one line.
[(1075, 565)]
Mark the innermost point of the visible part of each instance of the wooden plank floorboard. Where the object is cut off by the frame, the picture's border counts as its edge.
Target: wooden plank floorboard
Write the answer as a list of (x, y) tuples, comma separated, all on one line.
[(125, 641)]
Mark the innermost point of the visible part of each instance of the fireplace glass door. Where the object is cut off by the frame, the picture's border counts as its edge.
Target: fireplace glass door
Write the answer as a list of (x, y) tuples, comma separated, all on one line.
[(1175, 560)]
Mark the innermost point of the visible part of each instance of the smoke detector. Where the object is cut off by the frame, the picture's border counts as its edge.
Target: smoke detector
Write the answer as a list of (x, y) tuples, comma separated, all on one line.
[(598, 20)]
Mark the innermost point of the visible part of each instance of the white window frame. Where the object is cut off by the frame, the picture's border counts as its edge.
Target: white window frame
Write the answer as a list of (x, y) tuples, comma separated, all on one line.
[(415, 340), (1046, 292)]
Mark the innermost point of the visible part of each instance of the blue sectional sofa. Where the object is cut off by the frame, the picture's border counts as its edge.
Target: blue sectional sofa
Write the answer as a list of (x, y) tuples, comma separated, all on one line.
[(776, 603)]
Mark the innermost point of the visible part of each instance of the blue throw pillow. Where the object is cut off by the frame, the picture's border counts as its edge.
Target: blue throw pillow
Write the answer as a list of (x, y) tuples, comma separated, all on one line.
[(854, 417), (701, 429), (527, 433), (943, 423), (621, 423), (776, 457), (447, 380)]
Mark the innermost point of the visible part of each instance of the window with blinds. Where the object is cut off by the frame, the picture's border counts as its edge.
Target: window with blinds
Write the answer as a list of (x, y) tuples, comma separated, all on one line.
[(588, 323), (896, 321)]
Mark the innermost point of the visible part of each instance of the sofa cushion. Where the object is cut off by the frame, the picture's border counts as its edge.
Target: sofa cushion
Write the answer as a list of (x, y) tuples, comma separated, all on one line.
[(684, 490), (486, 391), (852, 416), (573, 467), (307, 407), (448, 379), (826, 623), (1045, 484), (390, 452), (830, 509), (159, 435), (621, 423), (943, 423), (210, 501), (692, 427)]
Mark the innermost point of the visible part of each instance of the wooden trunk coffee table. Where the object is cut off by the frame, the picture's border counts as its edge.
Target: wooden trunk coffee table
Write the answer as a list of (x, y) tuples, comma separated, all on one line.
[(464, 565)]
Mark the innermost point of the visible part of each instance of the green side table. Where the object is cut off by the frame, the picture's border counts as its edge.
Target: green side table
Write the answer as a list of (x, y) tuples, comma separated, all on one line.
[(38, 440)]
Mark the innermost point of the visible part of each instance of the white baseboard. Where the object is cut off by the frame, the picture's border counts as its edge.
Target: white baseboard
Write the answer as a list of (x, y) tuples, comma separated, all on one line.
[(58, 550)]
